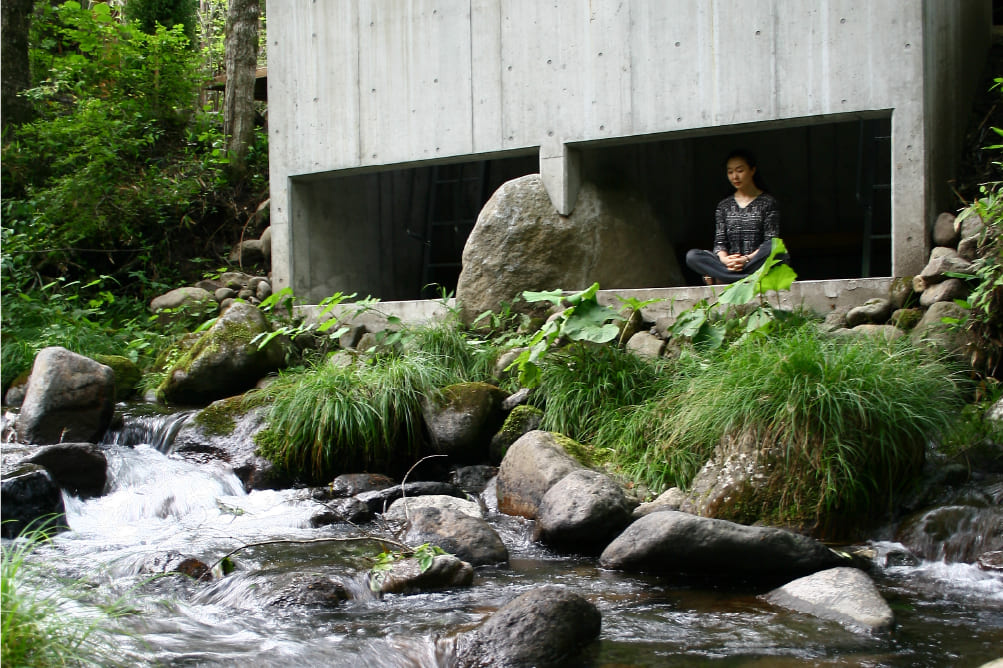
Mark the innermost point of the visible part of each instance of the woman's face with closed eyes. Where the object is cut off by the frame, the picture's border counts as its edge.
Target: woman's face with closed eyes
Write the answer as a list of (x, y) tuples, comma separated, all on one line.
[(739, 173)]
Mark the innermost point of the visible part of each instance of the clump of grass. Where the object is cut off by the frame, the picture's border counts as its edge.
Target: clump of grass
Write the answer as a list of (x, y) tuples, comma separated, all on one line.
[(468, 357), (848, 418), (363, 416), (45, 626), (584, 386)]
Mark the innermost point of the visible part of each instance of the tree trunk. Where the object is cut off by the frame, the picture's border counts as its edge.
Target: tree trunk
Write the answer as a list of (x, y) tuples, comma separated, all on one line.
[(15, 76), (241, 63)]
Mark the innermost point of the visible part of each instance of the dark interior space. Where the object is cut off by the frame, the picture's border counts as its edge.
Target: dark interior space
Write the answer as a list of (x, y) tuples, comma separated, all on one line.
[(831, 181)]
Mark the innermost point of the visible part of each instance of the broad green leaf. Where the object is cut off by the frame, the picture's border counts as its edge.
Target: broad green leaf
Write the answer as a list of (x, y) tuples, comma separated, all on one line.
[(778, 278), (553, 296), (588, 293)]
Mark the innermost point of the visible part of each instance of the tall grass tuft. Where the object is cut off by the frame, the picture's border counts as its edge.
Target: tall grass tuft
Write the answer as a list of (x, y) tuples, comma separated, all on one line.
[(584, 386), (46, 626), (469, 358), (848, 420), (364, 416)]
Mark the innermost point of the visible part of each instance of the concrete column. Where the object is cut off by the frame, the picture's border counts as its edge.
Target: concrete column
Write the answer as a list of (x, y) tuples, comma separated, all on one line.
[(561, 172)]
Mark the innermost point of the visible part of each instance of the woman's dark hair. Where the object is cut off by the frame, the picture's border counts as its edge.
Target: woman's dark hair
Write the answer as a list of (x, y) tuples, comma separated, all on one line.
[(750, 160)]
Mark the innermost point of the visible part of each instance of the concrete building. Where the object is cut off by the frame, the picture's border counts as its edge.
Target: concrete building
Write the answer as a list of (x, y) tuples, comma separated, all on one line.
[(392, 121)]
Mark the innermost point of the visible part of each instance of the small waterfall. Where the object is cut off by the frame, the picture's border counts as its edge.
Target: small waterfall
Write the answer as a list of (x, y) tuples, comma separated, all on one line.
[(156, 430)]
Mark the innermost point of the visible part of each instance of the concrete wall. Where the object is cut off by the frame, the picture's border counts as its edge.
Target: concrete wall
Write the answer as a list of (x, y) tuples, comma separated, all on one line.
[(358, 86)]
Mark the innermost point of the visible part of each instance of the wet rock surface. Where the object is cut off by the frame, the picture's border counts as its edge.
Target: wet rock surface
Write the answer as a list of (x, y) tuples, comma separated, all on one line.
[(546, 627), (846, 595)]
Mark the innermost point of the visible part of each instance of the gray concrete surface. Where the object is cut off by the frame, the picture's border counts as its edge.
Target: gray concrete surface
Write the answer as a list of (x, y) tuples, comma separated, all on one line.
[(357, 87), (822, 297)]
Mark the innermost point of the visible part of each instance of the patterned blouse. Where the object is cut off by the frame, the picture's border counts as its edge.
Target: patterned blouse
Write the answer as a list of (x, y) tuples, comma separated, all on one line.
[(741, 230)]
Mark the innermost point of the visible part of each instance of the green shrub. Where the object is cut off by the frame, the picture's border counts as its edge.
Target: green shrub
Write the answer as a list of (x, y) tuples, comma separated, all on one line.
[(361, 416), (850, 417), (584, 386)]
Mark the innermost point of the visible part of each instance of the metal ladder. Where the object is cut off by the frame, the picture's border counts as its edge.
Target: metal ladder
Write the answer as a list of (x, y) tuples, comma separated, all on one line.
[(874, 136), (456, 193)]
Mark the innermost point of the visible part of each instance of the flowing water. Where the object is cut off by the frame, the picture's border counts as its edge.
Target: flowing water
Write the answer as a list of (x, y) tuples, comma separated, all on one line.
[(158, 506)]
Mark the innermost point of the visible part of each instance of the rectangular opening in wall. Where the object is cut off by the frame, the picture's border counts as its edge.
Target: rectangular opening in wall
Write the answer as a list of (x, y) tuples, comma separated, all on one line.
[(831, 179)]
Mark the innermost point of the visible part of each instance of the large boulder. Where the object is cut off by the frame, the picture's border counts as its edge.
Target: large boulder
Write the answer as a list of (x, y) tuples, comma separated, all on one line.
[(584, 510), (463, 419), (520, 242), (470, 538), (546, 627), (30, 499), (674, 542), (69, 398), (224, 362), (844, 594), (534, 464)]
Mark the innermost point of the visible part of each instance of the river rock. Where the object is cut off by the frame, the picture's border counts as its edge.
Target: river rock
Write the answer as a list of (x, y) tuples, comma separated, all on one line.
[(406, 576), (671, 499), (350, 484), (463, 420), (224, 362), (932, 328), (584, 510), (844, 594), (468, 537), (646, 344), (874, 311), (181, 303), (945, 291), (900, 292), (79, 468), (69, 398), (473, 479), (522, 420), (520, 242), (176, 562), (378, 501), (225, 431), (30, 499), (887, 332), (339, 511), (730, 479), (403, 507), (310, 591), (942, 264), (953, 533), (674, 542), (534, 464), (127, 375), (945, 232), (991, 561), (546, 627)]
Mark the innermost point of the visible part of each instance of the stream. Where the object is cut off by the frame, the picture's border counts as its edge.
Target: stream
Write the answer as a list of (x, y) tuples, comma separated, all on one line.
[(157, 505)]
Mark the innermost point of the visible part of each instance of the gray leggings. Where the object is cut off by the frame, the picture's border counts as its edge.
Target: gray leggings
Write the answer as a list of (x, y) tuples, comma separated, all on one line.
[(706, 263)]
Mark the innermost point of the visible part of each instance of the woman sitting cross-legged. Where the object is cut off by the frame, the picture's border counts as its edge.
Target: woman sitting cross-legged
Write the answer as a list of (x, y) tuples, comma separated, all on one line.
[(745, 225)]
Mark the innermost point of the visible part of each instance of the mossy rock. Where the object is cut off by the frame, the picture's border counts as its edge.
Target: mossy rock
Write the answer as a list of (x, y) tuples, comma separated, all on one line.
[(225, 361), (127, 375), (522, 420)]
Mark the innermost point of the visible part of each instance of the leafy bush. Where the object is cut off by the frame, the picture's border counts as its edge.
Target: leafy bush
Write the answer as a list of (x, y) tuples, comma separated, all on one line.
[(362, 416), (87, 319), (849, 417)]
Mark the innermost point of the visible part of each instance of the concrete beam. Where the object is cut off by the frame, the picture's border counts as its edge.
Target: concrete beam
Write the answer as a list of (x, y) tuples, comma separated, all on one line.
[(561, 172)]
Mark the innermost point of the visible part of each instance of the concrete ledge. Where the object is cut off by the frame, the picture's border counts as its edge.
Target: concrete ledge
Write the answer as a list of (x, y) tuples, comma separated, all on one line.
[(822, 297)]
